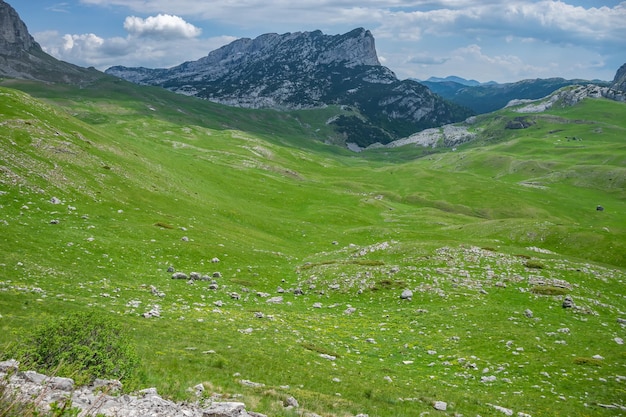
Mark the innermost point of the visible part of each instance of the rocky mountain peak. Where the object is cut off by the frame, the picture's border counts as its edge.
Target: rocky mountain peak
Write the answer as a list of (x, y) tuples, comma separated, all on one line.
[(22, 57), (305, 70), (14, 36)]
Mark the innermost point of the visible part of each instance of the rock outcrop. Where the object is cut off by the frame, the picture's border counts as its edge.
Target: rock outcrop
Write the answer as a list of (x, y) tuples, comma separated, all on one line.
[(22, 57), (308, 70), (619, 82), (14, 36), (103, 397)]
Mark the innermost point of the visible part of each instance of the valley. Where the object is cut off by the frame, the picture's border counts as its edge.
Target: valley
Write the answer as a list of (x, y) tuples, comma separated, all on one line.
[(307, 249)]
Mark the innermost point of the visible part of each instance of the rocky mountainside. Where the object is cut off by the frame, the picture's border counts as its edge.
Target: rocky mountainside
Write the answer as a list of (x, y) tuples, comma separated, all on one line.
[(619, 82), (307, 70), (22, 57)]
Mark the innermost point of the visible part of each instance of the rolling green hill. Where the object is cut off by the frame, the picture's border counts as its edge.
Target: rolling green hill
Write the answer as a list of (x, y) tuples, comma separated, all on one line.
[(103, 188)]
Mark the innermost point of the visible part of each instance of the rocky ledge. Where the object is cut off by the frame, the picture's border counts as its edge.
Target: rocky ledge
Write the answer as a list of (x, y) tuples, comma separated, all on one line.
[(104, 398)]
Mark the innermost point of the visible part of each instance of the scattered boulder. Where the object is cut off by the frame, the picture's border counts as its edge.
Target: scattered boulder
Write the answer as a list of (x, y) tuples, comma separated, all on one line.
[(275, 300), (179, 275), (599, 208), (440, 405), (406, 295), (226, 409), (154, 312), (568, 302), (9, 366), (291, 402), (528, 313), (349, 310), (102, 398), (170, 269)]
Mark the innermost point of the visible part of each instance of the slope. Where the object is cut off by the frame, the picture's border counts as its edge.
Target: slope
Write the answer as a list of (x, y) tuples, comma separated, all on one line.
[(103, 189)]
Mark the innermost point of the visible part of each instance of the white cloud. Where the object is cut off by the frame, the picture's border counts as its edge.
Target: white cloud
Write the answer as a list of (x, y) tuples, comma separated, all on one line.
[(162, 25), (92, 50), (413, 35)]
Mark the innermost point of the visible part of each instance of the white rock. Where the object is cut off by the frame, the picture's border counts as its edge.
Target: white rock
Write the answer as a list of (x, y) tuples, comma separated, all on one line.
[(506, 411), (440, 405)]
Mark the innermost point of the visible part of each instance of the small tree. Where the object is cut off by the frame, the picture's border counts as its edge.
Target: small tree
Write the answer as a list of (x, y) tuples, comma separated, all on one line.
[(84, 346)]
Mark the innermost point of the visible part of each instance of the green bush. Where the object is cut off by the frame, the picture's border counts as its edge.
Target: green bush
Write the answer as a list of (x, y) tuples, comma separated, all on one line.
[(84, 346), (548, 290), (587, 361), (534, 264)]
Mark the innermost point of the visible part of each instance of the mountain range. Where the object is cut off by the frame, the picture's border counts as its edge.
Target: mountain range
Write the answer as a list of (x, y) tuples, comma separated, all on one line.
[(299, 70), (309, 70), (491, 96)]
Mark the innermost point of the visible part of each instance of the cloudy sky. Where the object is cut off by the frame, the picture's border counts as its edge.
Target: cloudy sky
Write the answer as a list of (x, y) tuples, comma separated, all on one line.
[(486, 40)]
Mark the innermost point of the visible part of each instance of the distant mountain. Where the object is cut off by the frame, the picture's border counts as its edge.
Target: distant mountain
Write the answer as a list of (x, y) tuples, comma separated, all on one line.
[(308, 70), (22, 57), (485, 98), (454, 79)]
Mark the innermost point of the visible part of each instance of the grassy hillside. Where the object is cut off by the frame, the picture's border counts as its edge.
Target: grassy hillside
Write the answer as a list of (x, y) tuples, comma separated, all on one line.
[(102, 189)]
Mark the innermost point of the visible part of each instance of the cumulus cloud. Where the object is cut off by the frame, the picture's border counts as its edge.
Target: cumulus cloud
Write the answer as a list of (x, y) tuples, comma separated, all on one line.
[(544, 35), (92, 50), (162, 25)]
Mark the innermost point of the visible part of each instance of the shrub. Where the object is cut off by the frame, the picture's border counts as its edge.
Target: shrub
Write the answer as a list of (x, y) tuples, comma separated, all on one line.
[(587, 361), (548, 290), (84, 346), (533, 264)]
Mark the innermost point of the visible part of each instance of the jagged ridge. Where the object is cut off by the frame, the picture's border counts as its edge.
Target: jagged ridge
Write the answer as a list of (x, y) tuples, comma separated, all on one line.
[(22, 57), (306, 70)]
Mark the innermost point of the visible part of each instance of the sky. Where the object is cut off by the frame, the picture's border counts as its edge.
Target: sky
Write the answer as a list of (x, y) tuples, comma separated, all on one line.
[(484, 40)]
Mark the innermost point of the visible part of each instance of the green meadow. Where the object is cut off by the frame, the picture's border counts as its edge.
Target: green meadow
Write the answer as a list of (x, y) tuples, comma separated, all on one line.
[(104, 188)]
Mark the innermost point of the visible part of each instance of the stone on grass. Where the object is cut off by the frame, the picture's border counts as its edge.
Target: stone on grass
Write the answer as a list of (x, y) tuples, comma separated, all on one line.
[(506, 411), (568, 302), (406, 295), (10, 365), (440, 405), (225, 409), (291, 402), (528, 313)]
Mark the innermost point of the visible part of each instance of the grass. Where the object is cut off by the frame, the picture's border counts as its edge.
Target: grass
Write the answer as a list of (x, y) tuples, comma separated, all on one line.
[(189, 181)]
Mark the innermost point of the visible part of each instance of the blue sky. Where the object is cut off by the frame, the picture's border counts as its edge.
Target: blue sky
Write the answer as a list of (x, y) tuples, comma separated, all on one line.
[(486, 40)]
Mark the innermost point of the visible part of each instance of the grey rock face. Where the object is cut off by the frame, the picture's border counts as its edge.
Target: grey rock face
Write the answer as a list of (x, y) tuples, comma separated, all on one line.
[(102, 397), (14, 36), (22, 57), (307, 70), (619, 82)]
